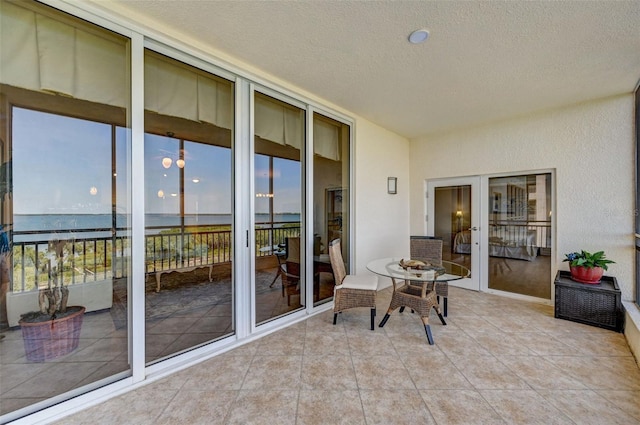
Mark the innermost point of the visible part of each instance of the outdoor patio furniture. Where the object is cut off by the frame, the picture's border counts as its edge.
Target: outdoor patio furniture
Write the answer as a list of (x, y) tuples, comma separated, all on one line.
[(429, 250), (351, 290), (290, 269), (418, 298)]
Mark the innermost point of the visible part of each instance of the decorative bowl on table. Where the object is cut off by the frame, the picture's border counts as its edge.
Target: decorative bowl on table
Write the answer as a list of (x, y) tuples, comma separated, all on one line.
[(418, 268), (413, 264)]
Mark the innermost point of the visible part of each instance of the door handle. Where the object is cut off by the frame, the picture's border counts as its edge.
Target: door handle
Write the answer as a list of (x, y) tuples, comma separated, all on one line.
[(474, 228)]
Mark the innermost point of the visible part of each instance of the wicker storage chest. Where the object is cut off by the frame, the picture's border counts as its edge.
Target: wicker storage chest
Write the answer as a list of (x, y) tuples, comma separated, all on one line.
[(591, 304)]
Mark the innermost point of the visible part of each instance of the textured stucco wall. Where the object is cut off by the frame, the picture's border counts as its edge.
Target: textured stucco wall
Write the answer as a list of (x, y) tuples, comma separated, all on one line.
[(590, 146), (381, 220)]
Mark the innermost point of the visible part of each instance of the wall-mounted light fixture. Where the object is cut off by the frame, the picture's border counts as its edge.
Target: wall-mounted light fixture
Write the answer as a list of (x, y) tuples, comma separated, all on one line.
[(392, 185)]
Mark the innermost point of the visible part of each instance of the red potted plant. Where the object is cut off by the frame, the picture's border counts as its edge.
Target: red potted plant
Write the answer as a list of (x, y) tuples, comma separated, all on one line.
[(587, 267)]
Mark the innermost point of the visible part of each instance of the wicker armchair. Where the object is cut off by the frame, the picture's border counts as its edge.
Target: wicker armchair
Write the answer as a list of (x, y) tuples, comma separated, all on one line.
[(419, 299), (351, 290), (290, 269), (429, 250)]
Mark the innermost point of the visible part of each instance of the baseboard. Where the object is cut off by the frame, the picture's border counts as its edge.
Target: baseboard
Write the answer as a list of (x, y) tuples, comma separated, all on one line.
[(632, 328)]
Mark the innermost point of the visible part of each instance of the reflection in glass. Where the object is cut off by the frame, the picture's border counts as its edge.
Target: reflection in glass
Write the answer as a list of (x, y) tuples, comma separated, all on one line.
[(188, 207), (520, 234), (331, 200), (64, 210), (279, 280), (452, 222)]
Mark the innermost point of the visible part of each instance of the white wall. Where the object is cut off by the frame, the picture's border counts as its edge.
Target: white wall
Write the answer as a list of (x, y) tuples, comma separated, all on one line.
[(381, 220), (592, 148)]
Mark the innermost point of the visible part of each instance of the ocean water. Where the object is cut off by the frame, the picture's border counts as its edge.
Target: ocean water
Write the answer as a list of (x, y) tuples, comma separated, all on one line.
[(50, 226)]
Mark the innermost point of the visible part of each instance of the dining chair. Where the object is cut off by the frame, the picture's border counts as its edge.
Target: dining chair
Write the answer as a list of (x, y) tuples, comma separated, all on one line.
[(351, 290), (429, 250), (290, 269), (419, 299)]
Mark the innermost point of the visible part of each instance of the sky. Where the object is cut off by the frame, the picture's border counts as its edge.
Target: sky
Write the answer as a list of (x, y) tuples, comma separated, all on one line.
[(62, 165)]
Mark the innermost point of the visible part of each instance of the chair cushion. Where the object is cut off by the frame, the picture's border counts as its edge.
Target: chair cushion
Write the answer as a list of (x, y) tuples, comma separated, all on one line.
[(366, 282)]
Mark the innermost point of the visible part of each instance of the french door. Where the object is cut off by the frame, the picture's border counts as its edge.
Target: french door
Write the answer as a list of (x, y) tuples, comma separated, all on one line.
[(453, 214)]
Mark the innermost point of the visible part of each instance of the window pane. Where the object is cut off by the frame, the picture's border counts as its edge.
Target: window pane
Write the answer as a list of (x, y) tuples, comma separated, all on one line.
[(330, 198), (280, 284), (188, 207), (520, 234), (65, 214)]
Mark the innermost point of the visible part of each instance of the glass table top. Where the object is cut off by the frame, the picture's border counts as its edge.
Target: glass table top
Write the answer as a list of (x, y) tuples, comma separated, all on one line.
[(390, 267)]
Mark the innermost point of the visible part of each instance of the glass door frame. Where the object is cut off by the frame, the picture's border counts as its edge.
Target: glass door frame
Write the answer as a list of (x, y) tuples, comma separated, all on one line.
[(475, 281), (484, 245)]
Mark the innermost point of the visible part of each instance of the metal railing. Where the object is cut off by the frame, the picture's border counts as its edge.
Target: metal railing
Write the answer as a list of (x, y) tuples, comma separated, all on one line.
[(522, 233), (42, 262)]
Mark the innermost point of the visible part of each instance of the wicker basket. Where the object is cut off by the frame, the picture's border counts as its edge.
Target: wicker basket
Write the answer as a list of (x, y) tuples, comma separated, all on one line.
[(48, 340), (596, 305)]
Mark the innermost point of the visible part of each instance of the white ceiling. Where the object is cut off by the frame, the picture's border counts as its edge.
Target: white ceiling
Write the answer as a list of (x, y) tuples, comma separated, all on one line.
[(483, 61)]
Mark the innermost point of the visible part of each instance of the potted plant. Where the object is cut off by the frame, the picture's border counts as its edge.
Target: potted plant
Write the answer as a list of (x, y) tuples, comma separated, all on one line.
[(53, 330), (587, 267)]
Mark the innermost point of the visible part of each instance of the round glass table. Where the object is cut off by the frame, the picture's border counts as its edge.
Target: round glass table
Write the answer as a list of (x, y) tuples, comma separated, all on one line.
[(421, 289), (390, 267)]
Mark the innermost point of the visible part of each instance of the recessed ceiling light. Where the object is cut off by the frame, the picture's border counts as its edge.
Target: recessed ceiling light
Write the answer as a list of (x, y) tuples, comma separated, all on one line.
[(418, 36)]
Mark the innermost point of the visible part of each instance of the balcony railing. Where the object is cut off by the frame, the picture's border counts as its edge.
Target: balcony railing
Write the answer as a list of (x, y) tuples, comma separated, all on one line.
[(519, 231), (38, 262)]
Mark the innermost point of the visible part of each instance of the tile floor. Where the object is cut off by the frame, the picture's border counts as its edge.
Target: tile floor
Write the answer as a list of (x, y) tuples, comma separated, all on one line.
[(498, 361)]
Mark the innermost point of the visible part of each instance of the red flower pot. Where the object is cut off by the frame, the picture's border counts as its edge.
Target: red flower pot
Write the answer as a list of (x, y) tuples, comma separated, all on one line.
[(583, 274)]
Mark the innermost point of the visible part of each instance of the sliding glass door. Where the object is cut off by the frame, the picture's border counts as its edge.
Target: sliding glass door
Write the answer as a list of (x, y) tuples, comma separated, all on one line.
[(188, 207), (278, 199), (331, 208)]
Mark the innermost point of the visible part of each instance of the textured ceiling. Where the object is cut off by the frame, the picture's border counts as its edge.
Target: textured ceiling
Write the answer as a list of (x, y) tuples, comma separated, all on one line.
[(483, 61)]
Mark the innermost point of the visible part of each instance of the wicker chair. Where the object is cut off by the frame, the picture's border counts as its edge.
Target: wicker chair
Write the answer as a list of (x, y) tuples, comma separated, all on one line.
[(429, 250), (419, 299), (290, 269), (351, 290)]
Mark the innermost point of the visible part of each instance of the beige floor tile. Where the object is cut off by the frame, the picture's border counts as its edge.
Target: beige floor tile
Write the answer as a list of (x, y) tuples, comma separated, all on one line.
[(323, 323), (458, 343), (543, 344), (499, 343), (471, 324), (317, 343), (511, 323), (398, 407), (486, 366), (605, 344), (460, 407), (381, 372), (220, 373), (264, 407), (328, 372), (289, 343), (627, 401), (540, 374), (273, 372), (366, 344), (524, 407), (414, 345), (330, 407), (587, 407), (198, 407), (487, 372), (142, 406), (601, 373), (429, 372)]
